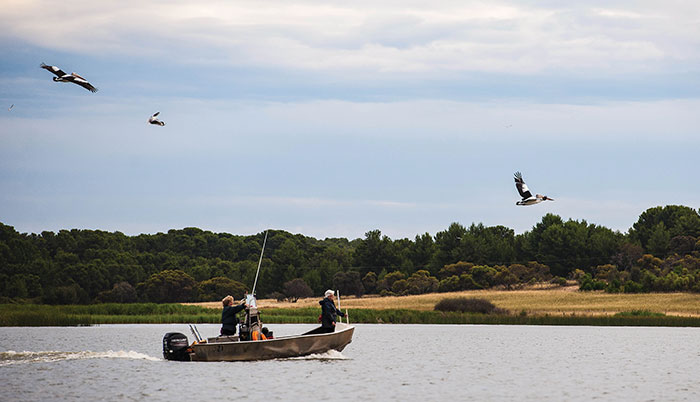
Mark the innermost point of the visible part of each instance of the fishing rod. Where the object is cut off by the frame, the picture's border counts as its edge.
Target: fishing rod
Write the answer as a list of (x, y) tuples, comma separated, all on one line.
[(347, 317), (259, 263)]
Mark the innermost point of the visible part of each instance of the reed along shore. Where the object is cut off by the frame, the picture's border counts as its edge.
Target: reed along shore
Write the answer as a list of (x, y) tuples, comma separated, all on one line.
[(558, 306)]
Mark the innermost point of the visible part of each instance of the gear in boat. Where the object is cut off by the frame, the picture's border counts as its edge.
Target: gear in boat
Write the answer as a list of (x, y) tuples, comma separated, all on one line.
[(252, 343)]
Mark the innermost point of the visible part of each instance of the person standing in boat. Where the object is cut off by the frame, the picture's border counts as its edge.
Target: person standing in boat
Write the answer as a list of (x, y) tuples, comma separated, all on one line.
[(229, 320), (329, 312)]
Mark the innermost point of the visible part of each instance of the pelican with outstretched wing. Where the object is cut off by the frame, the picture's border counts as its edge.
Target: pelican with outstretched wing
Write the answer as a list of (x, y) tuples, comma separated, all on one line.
[(528, 199), (154, 120), (62, 76)]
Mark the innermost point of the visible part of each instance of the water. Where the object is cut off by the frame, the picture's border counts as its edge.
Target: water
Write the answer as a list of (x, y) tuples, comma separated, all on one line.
[(384, 362)]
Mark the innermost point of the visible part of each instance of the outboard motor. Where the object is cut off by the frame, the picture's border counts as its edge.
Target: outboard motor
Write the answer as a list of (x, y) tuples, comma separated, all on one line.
[(175, 347)]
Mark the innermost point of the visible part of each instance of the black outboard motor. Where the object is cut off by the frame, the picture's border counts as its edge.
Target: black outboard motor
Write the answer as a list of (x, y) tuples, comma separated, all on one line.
[(175, 347)]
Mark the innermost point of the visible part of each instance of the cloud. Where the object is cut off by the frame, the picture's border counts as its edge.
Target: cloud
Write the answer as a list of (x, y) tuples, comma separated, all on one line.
[(383, 37)]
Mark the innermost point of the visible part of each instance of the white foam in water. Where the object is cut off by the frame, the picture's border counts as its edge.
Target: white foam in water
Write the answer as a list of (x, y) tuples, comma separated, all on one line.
[(12, 357), (330, 355)]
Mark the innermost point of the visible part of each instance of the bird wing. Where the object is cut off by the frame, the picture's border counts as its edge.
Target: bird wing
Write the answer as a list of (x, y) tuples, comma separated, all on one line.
[(521, 186), (57, 71), (156, 114), (83, 83)]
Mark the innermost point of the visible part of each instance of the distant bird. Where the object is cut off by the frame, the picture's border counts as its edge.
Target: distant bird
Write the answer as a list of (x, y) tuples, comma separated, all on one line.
[(528, 199), (10, 108), (154, 120), (61, 76)]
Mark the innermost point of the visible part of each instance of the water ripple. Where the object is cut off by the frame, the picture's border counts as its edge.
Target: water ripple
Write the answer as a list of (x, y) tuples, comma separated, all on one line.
[(11, 357)]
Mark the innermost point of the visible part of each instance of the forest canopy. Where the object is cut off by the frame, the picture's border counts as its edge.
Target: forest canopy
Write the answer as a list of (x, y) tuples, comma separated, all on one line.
[(660, 252)]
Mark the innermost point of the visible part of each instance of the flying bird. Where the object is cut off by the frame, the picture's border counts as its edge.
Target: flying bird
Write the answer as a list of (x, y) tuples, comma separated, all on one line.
[(528, 199), (154, 120), (61, 76), (11, 106)]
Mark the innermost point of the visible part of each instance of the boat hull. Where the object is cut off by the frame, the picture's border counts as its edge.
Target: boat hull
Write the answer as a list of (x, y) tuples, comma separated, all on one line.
[(277, 348)]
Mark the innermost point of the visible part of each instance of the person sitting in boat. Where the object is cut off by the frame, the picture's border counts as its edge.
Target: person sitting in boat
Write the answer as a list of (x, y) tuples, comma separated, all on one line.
[(267, 333), (229, 320), (329, 312)]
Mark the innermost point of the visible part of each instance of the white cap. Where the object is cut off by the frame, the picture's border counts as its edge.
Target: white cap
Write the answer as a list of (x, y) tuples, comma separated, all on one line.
[(329, 293)]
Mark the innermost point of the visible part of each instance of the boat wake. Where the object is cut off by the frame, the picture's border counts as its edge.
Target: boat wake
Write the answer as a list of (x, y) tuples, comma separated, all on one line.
[(12, 357), (330, 355)]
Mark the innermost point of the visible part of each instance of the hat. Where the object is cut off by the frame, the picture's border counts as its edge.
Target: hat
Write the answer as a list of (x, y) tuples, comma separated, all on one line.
[(329, 293)]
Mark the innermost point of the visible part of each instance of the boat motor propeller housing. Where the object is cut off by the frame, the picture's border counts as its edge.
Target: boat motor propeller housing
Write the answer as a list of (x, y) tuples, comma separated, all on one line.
[(175, 347)]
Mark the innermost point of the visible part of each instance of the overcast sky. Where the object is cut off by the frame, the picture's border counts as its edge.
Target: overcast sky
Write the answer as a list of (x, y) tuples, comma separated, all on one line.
[(334, 118)]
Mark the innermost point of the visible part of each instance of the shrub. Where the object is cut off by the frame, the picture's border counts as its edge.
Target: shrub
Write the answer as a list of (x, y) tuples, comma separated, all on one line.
[(588, 283), (421, 282), (449, 284), (279, 296), (468, 305), (613, 286), (558, 280), (639, 313), (399, 286), (632, 287)]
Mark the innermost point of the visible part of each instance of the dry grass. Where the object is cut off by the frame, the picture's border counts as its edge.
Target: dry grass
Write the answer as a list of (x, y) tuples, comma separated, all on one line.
[(559, 301)]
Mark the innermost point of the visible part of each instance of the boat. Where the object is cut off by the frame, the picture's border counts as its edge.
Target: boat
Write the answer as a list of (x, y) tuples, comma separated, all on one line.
[(252, 343), (232, 348)]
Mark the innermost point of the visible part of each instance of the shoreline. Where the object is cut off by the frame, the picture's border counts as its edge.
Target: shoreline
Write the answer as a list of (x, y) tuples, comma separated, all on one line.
[(535, 301), (533, 306)]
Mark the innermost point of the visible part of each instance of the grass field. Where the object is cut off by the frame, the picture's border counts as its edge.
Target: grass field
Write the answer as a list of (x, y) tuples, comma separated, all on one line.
[(554, 301), (559, 306)]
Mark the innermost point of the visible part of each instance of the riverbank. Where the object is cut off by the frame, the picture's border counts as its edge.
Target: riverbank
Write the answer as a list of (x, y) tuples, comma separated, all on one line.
[(148, 313), (559, 301), (560, 306)]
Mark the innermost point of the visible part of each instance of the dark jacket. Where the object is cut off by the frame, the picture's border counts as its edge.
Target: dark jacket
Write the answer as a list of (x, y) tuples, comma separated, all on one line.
[(229, 321), (329, 313)]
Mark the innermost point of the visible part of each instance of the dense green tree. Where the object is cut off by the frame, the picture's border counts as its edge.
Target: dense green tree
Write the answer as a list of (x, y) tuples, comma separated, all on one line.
[(369, 281), (374, 253), (297, 289), (682, 245), (659, 240), (448, 247), (566, 246), (79, 265), (422, 250), (122, 292), (349, 283), (167, 287), (491, 245), (217, 288), (677, 220)]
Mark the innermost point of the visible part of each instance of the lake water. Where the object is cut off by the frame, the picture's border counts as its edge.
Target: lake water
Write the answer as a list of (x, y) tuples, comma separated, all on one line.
[(384, 362)]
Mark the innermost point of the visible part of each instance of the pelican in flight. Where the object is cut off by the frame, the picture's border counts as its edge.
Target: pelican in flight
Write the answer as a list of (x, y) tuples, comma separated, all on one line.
[(154, 120), (528, 199), (10, 108), (61, 76)]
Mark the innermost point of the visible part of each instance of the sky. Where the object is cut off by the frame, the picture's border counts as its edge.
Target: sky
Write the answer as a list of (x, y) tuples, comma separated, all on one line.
[(334, 118)]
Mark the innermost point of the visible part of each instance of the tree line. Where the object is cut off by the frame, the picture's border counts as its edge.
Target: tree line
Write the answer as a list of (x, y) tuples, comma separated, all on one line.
[(660, 252)]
